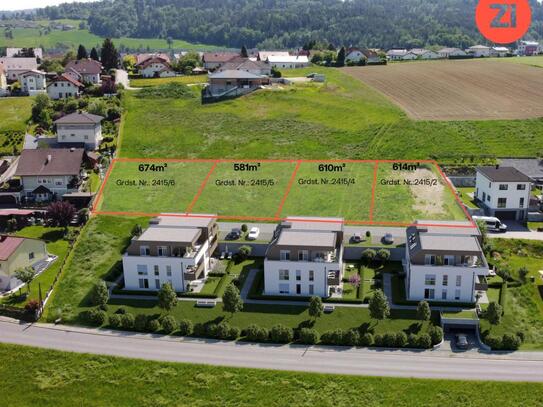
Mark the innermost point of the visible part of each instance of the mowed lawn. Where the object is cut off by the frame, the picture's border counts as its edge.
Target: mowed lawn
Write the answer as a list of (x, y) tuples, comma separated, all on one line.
[(428, 197), (14, 113), (170, 190), (334, 191), (186, 79), (343, 118), (47, 377)]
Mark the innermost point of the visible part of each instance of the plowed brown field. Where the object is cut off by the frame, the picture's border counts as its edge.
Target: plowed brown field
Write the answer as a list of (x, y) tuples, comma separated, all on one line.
[(459, 90)]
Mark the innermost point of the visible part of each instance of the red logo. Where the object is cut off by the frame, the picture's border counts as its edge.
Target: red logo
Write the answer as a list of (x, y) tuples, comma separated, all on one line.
[(503, 21)]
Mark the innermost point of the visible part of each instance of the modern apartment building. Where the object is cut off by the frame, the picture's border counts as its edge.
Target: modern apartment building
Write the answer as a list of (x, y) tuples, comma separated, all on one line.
[(305, 258), (173, 249), (444, 263)]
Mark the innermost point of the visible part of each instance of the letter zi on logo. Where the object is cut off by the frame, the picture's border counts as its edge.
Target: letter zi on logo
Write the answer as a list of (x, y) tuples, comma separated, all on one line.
[(503, 21)]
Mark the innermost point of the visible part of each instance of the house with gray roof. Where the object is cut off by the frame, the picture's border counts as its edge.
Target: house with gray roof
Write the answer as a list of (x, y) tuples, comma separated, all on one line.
[(79, 129), (444, 264), (305, 258)]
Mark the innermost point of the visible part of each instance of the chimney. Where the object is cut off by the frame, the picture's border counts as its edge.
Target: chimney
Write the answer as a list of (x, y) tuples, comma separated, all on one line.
[(49, 158), (497, 166)]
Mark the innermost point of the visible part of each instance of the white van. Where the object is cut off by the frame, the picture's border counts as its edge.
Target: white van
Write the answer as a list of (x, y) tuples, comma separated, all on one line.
[(492, 224)]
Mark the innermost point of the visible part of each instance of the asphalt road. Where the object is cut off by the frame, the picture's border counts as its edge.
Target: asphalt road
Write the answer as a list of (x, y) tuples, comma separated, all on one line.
[(520, 366)]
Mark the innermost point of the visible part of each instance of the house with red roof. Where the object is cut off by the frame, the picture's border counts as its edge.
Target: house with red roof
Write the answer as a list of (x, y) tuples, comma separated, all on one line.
[(155, 67), (85, 71), (64, 86), (212, 60), (17, 253)]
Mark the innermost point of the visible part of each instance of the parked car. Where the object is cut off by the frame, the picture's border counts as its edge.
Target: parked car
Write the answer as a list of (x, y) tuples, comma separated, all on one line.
[(253, 233), (234, 234), (356, 238), (388, 238), (461, 341), (492, 224)]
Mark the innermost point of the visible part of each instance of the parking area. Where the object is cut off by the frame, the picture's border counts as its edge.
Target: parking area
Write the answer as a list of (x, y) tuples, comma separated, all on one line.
[(450, 339)]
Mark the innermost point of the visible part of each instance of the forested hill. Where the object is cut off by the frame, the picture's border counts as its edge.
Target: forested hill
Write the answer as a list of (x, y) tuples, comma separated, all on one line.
[(289, 23)]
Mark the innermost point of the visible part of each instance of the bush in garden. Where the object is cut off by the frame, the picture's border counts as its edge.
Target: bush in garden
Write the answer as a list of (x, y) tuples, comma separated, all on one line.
[(401, 340), (199, 329), (97, 317), (211, 330), (510, 342), (153, 325), (436, 333), (185, 327), (127, 321), (120, 311), (389, 339), (281, 334), (115, 321), (140, 323), (32, 306), (495, 342), (223, 330), (379, 340), (169, 324), (234, 333), (252, 332), (352, 337), (366, 339), (412, 341), (335, 337), (309, 336), (424, 341)]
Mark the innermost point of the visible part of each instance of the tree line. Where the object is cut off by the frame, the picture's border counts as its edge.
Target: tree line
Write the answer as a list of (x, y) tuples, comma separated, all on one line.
[(289, 23)]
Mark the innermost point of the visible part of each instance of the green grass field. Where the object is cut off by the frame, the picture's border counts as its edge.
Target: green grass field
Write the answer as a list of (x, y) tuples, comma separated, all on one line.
[(46, 377), (342, 118), (536, 61), (188, 79), (15, 113), (30, 37)]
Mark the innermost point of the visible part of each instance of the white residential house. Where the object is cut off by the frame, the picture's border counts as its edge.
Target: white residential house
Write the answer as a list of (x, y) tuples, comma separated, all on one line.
[(503, 192), (260, 68), (85, 71), (80, 129), (16, 66), (355, 55), (3, 82), (11, 52), (396, 54), (64, 86), (479, 51), (499, 52), (444, 263), (17, 253), (33, 82), (422, 53), (49, 173), (288, 62), (263, 55), (529, 48), (175, 250), (305, 258), (451, 52), (155, 67)]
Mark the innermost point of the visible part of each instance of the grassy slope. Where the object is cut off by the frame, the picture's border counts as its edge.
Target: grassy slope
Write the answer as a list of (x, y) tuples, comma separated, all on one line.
[(341, 119), (44, 377), (144, 83), (14, 113)]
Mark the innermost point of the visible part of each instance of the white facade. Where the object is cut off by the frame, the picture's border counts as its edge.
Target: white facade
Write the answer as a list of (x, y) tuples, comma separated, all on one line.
[(88, 134), (16, 66), (11, 52), (33, 82), (503, 196), (480, 51), (85, 77), (151, 272), (355, 56), (304, 278), (3, 83), (62, 89), (157, 68), (57, 184), (451, 52), (429, 55), (528, 48), (288, 62)]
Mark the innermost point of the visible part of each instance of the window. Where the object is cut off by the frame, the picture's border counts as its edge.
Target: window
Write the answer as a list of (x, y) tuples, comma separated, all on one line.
[(142, 269), (521, 203), (169, 271), (445, 280), (458, 281), (448, 260), (457, 294), (504, 187), (144, 283), (144, 251), (157, 284), (311, 275), (521, 187), (162, 251), (303, 255), (484, 196), (86, 137), (298, 288), (430, 259), (430, 279), (502, 202), (31, 256), (284, 289), (488, 198), (72, 135), (284, 255), (58, 182), (298, 275), (283, 275), (443, 294), (311, 289), (429, 293), (63, 137), (156, 269)]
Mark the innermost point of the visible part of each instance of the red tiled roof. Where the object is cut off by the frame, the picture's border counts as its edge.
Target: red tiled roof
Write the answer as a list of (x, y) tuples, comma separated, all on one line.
[(67, 78), (50, 161), (8, 245), (155, 60), (85, 66), (219, 57)]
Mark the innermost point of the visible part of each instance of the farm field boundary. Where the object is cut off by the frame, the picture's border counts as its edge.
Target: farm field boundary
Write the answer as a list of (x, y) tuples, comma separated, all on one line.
[(356, 192)]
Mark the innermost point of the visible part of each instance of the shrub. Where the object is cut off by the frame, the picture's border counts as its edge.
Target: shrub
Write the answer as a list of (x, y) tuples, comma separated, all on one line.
[(412, 341), (169, 324), (256, 334), (32, 306), (389, 339), (120, 311), (521, 335), (211, 330), (244, 228), (436, 334), (97, 316), (510, 342), (366, 339), (234, 333), (424, 341), (100, 294), (352, 337), (115, 321), (335, 337), (309, 336), (281, 334), (140, 322), (401, 339), (495, 342), (153, 325), (378, 340), (127, 321), (185, 327), (223, 330)]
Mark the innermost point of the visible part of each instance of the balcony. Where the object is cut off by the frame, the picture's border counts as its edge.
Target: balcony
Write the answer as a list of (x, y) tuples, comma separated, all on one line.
[(334, 277), (481, 283), (193, 273)]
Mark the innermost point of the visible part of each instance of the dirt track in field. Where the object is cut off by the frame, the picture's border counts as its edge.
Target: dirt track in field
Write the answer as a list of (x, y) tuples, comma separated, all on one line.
[(459, 90)]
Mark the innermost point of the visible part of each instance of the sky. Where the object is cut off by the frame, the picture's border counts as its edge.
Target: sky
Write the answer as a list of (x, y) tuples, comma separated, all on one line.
[(26, 4)]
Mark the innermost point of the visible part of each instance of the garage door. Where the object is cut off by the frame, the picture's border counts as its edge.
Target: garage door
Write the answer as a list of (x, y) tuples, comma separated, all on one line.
[(7, 200), (506, 215)]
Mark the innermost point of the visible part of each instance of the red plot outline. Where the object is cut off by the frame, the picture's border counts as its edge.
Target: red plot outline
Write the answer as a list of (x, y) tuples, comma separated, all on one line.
[(277, 216)]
